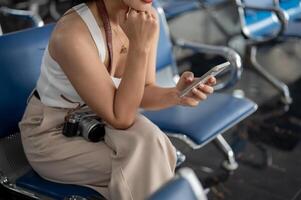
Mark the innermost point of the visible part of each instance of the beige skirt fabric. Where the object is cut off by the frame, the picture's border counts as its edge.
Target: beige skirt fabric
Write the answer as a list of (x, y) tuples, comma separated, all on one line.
[(128, 164)]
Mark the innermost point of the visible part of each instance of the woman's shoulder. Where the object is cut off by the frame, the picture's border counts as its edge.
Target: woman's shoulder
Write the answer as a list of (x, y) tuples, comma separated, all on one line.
[(70, 25), (70, 32)]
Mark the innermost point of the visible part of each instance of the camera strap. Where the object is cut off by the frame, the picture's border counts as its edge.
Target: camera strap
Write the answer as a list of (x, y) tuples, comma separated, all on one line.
[(107, 26)]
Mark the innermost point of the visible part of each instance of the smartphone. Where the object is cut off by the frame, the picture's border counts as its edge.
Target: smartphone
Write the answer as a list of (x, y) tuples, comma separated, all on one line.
[(203, 79)]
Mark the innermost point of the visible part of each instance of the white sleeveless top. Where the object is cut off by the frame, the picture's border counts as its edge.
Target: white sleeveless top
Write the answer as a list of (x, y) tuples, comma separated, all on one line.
[(53, 82)]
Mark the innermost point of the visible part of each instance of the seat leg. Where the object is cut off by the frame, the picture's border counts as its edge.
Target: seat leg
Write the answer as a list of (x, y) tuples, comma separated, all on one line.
[(269, 77), (230, 164)]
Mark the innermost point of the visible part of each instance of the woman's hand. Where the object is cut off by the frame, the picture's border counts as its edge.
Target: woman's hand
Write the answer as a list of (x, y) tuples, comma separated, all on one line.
[(197, 94), (140, 27)]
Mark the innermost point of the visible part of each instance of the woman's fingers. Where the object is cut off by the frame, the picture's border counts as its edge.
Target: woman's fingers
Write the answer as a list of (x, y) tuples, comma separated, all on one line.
[(144, 14), (128, 12), (206, 89), (211, 81), (194, 98), (188, 76), (198, 94)]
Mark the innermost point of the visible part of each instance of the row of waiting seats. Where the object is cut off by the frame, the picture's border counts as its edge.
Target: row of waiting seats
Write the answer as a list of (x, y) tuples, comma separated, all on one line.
[(20, 59), (263, 22)]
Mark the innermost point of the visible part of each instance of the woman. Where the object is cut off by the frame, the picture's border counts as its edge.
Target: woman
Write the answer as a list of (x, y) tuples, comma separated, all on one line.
[(79, 66)]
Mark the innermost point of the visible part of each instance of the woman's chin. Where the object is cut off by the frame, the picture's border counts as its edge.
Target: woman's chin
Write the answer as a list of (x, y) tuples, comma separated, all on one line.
[(139, 5)]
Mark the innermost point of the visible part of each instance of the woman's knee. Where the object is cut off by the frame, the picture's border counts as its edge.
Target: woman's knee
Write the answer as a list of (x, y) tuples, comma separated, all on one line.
[(148, 133)]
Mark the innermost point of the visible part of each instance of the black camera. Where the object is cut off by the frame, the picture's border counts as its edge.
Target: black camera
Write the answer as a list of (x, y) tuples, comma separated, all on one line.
[(85, 124)]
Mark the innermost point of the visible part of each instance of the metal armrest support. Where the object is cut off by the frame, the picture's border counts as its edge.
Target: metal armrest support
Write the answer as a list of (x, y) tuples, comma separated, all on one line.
[(279, 13), (4, 182), (192, 179), (229, 54), (35, 18)]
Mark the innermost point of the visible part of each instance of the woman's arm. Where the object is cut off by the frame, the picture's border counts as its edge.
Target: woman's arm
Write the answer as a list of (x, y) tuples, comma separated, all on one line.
[(156, 98), (79, 59)]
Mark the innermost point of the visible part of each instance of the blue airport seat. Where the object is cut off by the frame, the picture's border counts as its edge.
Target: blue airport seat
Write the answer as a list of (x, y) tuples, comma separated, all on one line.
[(292, 9), (184, 186), (203, 123), (265, 22), (20, 60), (266, 19), (32, 181), (199, 125), (178, 189)]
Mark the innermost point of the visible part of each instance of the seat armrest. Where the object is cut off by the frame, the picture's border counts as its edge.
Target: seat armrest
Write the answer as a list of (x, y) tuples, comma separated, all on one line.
[(229, 54), (279, 13)]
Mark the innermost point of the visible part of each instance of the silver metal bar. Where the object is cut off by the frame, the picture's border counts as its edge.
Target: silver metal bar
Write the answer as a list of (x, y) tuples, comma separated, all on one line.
[(4, 181), (75, 197), (180, 158), (34, 17), (229, 54), (53, 10), (10, 186), (185, 139), (194, 182), (268, 76), (231, 163)]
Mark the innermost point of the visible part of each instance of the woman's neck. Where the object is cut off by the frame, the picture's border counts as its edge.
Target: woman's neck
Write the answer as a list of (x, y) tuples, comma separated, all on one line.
[(113, 7)]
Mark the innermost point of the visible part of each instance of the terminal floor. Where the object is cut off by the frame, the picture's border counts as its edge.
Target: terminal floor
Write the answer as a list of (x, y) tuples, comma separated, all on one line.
[(280, 179)]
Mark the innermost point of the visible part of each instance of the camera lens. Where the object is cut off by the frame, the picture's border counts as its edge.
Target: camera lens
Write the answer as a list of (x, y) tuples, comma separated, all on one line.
[(70, 128), (92, 130), (96, 133)]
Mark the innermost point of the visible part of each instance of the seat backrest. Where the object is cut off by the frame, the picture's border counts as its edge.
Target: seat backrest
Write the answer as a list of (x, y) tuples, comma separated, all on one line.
[(177, 189), (166, 65), (165, 56), (290, 6), (20, 60), (184, 186)]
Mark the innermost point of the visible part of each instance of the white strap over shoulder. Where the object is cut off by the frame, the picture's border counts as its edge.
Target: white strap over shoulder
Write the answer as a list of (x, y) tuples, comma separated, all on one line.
[(85, 13)]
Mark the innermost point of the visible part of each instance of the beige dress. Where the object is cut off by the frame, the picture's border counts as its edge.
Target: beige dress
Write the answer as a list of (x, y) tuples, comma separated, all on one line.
[(128, 164)]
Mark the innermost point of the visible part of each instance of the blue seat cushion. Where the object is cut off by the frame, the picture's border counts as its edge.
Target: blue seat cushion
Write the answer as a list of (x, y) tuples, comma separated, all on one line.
[(202, 123), (177, 189), (32, 181)]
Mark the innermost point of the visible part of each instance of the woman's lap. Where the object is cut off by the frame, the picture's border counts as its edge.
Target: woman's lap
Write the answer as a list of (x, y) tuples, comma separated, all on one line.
[(77, 161), (56, 157)]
